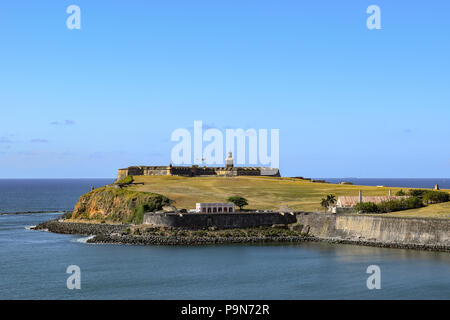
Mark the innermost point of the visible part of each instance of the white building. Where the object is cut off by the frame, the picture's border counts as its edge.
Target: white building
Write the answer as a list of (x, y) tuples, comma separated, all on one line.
[(210, 207)]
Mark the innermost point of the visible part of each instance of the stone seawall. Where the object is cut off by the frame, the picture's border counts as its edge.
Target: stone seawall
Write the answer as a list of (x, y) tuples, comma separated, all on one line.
[(218, 220), (406, 233), (389, 230), (344, 228)]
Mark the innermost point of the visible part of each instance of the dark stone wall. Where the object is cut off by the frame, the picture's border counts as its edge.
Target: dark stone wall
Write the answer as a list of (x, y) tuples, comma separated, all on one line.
[(218, 220)]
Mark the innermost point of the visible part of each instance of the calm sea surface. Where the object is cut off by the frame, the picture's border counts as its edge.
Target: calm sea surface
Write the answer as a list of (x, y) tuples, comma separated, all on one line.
[(33, 263), (19, 195)]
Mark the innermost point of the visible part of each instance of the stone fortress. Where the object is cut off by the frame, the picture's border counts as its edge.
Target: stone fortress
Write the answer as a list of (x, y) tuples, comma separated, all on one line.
[(196, 171)]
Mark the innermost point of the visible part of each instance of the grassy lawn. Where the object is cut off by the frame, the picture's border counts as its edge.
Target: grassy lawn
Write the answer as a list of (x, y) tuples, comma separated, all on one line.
[(263, 192), (440, 210)]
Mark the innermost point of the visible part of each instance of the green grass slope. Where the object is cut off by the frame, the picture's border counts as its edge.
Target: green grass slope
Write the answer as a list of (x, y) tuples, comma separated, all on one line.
[(263, 192)]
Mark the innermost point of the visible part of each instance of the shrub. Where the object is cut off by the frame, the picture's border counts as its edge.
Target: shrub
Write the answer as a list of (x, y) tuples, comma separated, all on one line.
[(416, 193), (126, 180), (430, 196), (139, 213), (156, 204), (400, 193), (366, 207), (413, 202), (435, 197), (399, 205), (390, 206), (67, 215)]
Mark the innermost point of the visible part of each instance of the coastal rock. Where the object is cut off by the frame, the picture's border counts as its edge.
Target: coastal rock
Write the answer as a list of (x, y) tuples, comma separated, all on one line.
[(118, 205), (169, 209)]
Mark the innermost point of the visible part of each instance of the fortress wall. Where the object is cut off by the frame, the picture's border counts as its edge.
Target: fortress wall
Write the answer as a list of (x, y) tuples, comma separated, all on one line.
[(157, 171), (359, 229), (205, 171), (226, 173), (192, 171), (122, 173), (181, 171), (218, 220), (248, 171), (372, 228)]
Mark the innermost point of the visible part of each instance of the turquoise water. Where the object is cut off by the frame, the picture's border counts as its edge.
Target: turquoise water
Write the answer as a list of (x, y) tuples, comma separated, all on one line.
[(33, 266)]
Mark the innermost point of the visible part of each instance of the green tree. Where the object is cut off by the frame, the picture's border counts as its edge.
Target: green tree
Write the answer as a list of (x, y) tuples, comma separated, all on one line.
[(329, 201), (238, 201), (324, 203)]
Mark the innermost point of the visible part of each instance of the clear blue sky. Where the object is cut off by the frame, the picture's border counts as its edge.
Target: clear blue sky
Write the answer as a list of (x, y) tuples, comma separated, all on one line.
[(349, 102)]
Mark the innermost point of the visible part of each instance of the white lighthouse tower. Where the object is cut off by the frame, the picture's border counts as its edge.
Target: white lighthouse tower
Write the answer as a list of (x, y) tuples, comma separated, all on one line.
[(229, 160)]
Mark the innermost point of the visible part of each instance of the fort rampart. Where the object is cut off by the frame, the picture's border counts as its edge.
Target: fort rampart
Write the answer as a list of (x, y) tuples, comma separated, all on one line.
[(218, 220), (195, 171), (372, 228), (431, 234)]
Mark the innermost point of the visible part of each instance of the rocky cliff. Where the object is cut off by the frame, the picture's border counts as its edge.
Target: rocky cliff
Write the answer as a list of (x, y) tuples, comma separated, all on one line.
[(115, 204)]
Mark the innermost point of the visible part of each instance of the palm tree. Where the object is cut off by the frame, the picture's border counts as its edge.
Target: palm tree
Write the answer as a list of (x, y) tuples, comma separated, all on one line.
[(329, 201), (324, 203)]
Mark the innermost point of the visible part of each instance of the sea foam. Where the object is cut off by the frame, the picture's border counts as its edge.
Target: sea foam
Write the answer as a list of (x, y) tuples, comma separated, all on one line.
[(84, 239)]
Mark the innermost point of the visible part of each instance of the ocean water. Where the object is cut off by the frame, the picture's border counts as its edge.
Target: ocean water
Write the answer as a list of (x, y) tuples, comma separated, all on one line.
[(33, 264), (23, 195)]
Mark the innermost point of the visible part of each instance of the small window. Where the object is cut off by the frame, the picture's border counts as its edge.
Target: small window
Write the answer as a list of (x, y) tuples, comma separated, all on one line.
[(209, 210), (220, 209), (214, 209), (225, 209), (204, 210)]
